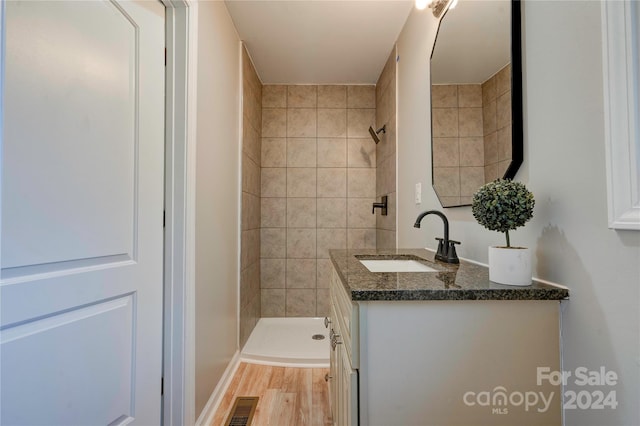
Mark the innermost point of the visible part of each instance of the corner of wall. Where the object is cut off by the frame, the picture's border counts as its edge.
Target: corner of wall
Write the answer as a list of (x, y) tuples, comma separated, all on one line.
[(209, 411), (216, 183), (386, 182), (414, 127), (251, 146)]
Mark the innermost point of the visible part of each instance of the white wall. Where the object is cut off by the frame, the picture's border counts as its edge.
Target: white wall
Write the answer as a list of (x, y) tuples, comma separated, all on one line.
[(217, 195), (564, 167)]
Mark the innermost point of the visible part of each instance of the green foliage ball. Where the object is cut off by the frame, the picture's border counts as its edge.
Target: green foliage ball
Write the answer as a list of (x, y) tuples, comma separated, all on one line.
[(503, 205)]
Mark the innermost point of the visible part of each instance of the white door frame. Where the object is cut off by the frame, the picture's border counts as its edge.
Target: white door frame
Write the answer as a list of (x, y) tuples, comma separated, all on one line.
[(179, 261)]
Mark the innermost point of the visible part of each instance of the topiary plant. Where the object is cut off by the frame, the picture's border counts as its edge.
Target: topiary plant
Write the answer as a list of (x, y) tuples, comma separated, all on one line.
[(503, 205)]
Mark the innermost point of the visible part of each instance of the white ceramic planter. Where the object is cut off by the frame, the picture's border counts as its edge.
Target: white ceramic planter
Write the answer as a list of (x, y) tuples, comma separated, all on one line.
[(510, 266)]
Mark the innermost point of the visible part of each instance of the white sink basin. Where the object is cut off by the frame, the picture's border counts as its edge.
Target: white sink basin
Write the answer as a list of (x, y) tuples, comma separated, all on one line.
[(391, 265)]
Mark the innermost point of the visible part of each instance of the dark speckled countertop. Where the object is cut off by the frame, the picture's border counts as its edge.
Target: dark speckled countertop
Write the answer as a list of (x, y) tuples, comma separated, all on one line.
[(466, 281)]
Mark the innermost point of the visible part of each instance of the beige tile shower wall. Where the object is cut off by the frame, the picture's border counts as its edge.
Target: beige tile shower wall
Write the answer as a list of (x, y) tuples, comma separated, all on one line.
[(496, 103), (458, 144), (318, 177), (250, 297), (386, 153)]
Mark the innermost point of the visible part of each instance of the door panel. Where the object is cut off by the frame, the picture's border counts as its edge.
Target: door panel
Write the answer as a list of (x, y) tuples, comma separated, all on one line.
[(82, 205), (95, 368), (76, 197)]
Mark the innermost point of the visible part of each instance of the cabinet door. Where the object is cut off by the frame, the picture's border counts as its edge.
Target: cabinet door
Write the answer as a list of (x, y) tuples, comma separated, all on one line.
[(344, 386), (344, 382), (333, 372), (349, 391), (339, 399)]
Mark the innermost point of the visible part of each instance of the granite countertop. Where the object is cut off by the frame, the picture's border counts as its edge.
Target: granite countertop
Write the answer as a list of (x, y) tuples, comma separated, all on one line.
[(465, 281)]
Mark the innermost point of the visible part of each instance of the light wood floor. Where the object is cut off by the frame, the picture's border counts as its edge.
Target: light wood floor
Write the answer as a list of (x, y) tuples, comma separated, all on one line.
[(288, 396)]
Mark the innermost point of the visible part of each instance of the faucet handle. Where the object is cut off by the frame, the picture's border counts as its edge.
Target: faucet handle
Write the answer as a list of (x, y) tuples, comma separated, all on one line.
[(452, 256), (441, 253)]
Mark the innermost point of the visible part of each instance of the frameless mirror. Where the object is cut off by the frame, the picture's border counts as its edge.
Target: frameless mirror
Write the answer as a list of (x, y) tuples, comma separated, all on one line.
[(476, 98)]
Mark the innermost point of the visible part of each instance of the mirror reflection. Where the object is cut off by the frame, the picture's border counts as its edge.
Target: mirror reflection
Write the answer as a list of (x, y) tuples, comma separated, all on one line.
[(472, 101)]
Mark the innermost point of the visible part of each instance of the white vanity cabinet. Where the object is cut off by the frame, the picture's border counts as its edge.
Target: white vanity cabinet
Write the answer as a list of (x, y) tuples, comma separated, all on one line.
[(343, 376), (427, 362)]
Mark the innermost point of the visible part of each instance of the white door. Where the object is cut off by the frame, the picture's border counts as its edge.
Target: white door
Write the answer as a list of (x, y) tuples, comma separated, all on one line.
[(81, 213)]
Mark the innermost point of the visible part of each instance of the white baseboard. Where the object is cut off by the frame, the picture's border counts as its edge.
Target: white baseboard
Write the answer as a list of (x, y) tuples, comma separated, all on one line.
[(209, 411)]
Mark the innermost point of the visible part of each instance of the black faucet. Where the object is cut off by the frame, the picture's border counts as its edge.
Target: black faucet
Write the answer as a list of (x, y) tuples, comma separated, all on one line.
[(446, 248)]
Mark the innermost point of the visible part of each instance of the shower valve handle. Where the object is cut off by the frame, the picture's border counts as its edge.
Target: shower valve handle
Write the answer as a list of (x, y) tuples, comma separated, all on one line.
[(327, 321), (382, 206)]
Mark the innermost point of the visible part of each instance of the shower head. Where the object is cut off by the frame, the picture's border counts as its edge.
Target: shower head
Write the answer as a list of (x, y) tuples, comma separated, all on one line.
[(375, 133)]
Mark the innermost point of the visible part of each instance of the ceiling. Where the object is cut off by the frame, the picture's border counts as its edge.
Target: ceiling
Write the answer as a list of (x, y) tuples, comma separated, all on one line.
[(319, 41)]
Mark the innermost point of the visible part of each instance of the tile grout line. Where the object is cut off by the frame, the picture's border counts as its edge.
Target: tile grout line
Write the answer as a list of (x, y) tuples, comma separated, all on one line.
[(346, 212), (286, 195), (315, 275)]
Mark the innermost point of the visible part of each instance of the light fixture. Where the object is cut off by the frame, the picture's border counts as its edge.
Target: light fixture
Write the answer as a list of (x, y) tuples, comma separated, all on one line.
[(421, 4), (437, 6)]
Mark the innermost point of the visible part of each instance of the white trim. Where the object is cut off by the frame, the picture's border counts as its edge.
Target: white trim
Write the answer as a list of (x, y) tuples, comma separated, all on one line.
[(2, 67), (621, 91), (192, 107), (209, 410), (179, 287), (540, 280), (396, 81), (563, 307), (239, 177)]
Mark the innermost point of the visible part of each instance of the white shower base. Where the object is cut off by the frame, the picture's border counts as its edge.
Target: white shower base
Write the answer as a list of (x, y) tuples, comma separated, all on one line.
[(287, 342)]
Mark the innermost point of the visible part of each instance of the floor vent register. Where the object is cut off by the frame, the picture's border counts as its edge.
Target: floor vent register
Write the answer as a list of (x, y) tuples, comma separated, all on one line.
[(242, 411)]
